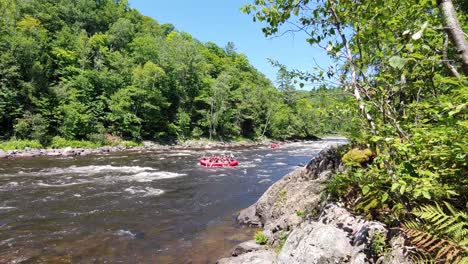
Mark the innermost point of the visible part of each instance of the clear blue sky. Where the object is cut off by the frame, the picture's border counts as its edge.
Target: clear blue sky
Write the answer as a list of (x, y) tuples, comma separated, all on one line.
[(221, 21)]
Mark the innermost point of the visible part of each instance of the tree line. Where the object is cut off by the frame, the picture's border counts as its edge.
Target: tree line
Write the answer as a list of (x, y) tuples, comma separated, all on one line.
[(87, 70)]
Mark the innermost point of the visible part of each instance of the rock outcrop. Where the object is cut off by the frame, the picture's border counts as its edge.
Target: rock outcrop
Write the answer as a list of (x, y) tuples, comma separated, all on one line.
[(286, 202), (304, 229)]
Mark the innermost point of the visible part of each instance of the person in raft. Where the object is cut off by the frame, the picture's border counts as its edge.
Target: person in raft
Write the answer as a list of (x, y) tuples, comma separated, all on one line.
[(218, 159)]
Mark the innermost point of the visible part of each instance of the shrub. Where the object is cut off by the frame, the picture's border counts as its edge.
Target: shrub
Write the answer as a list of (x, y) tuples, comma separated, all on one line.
[(260, 238), (300, 213), (15, 144), (130, 144), (59, 142), (378, 244)]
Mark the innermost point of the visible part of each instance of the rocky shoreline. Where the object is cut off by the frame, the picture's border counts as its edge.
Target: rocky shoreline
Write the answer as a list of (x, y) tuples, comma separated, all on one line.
[(147, 145), (301, 226)]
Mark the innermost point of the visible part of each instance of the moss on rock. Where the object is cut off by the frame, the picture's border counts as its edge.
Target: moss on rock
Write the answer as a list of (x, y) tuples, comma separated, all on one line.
[(357, 157)]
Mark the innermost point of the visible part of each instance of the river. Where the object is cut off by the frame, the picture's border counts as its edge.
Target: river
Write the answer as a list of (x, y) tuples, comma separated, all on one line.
[(135, 207)]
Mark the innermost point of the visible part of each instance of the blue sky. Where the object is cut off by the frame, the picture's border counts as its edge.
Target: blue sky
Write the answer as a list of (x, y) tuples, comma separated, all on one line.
[(221, 21)]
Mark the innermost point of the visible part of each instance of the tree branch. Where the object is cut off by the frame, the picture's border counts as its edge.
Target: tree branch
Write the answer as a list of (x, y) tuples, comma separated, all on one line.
[(454, 31), (445, 60), (357, 93)]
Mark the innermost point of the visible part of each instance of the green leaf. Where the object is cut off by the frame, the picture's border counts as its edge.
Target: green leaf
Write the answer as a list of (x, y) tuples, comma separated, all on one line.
[(397, 62), (402, 189), (365, 189), (426, 194), (384, 197)]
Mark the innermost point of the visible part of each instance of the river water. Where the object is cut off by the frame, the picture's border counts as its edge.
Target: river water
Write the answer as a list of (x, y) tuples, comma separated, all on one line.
[(135, 207)]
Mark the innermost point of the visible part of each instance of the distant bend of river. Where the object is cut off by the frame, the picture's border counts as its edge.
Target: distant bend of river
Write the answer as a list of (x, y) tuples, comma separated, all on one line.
[(135, 207)]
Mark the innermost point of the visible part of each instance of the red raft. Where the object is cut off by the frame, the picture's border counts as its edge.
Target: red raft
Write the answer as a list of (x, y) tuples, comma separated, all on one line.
[(218, 162), (274, 145)]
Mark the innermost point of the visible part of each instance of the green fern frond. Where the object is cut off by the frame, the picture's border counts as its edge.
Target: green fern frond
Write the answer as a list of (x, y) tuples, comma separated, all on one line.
[(444, 236), (463, 260)]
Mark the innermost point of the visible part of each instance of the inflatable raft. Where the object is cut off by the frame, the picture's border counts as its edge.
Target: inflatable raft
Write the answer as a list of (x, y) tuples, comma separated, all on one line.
[(213, 162), (274, 145)]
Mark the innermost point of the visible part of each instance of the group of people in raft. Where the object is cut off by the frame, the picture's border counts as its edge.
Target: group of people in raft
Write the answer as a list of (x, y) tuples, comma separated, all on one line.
[(219, 161), (224, 160)]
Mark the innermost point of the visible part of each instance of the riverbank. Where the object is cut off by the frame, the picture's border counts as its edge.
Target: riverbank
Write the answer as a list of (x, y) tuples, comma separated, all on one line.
[(146, 145), (300, 225)]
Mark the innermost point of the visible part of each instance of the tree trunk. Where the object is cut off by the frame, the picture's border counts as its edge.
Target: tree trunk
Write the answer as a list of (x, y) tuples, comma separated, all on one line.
[(352, 68), (454, 30)]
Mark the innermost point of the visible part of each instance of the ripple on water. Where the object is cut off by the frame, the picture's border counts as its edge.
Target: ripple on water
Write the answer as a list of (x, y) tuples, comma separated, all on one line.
[(152, 176), (148, 191)]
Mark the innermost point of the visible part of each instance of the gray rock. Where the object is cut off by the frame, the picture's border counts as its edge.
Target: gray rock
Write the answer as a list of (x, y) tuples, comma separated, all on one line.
[(299, 191), (3, 154), (247, 246), (248, 217), (316, 243), (397, 254), (264, 256)]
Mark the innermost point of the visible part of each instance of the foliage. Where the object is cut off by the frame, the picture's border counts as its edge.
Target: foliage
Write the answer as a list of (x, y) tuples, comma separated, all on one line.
[(283, 236), (130, 144), (58, 142), (20, 144), (443, 235), (80, 71), (300, 213), (410, 88), (260, 238), (378, 244)]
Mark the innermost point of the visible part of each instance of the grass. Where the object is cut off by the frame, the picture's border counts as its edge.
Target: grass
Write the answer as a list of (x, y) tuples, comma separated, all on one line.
[(19, 144), (59, 142), (260, 238), (282, 240)]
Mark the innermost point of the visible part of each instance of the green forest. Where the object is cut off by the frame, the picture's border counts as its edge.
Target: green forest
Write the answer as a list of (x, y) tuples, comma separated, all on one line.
[(94, 71), (97, 70), (406, 64)]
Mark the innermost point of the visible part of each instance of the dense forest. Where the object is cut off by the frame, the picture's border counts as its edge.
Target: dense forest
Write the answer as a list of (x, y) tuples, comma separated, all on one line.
[(97, 70), (406, 63)]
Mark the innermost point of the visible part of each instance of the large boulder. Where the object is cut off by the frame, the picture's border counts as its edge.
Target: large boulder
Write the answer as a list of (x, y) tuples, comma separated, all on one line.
[(297, 194), (316, 243)]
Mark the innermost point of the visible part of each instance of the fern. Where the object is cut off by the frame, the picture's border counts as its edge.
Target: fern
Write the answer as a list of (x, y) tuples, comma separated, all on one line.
[(442, 235)]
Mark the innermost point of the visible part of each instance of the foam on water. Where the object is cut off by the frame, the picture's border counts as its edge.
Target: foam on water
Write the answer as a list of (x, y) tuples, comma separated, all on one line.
[(148, 191), (93, 169), (128, 233), (63, 184), (7, 208), (152, 176), (182, 154), (279, 163)]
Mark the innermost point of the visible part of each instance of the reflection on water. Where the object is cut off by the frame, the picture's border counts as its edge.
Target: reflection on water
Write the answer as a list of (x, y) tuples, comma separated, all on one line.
[(134, 207)]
